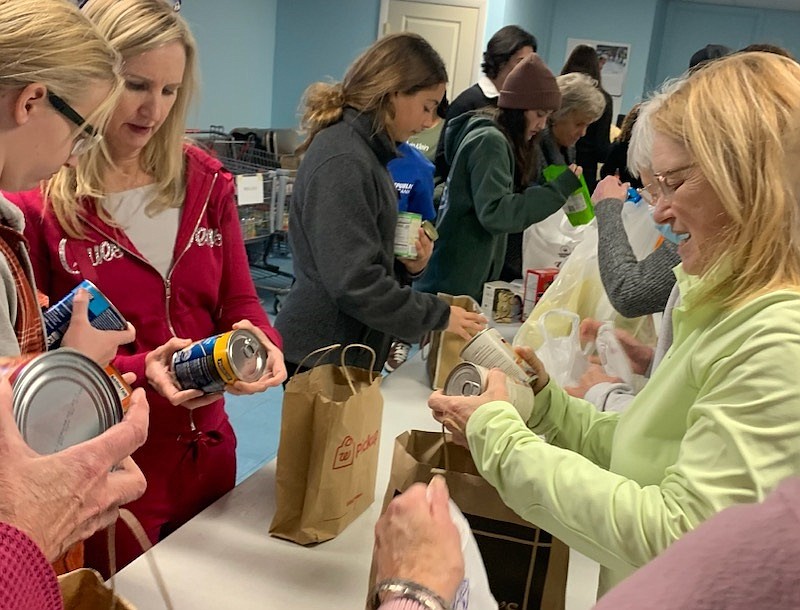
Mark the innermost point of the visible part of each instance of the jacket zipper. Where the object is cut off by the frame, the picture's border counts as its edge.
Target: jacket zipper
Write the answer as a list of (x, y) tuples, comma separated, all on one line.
[(167, 280)]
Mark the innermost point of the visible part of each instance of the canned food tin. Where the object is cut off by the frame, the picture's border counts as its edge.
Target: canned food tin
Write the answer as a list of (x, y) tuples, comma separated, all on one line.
[(430, 230), (122, 387), (211, 364), (60, 398), (490, 350), (406, 234), (468, 379), (102, 314)]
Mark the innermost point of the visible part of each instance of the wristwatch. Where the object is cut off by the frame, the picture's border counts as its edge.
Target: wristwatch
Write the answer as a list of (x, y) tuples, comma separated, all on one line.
[(419, 597)]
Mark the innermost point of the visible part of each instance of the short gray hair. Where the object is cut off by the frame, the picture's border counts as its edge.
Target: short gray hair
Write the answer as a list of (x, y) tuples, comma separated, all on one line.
[(579, 93), (640, 147)]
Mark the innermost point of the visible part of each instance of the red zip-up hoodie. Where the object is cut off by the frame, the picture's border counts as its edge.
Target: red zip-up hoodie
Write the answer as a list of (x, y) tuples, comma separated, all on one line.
[(207, 290)]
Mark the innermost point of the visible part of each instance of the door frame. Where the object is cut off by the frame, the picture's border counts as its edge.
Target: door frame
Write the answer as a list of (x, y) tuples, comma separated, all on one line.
[(477, 51)]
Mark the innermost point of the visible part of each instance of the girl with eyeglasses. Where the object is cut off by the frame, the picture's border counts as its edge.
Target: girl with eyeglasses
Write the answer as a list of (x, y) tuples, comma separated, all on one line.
[(56, 93), (152, 221)]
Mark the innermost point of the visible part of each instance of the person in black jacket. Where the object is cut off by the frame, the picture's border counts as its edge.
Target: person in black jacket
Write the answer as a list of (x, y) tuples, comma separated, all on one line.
[(506, 48), (592, 149)]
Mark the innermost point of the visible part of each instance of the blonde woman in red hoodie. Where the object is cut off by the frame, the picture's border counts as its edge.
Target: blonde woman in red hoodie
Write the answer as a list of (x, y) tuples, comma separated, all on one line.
[(153, 223)]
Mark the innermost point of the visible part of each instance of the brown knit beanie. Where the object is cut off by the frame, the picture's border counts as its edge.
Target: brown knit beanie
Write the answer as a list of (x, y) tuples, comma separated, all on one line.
[(530, 86)]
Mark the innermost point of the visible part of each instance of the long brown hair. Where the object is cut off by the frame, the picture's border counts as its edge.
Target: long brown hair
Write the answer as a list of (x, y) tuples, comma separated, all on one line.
[(403, 62)]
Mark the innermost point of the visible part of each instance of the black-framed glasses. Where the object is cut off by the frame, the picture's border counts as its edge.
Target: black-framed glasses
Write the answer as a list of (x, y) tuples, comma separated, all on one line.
[(666, 190), (89, 137)]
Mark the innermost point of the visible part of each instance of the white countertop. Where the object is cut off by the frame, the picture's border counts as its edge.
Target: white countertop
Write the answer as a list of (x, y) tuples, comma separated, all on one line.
[(224, 557)]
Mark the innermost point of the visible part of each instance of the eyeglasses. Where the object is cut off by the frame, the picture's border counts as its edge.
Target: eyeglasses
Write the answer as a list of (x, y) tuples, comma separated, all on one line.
[(665, 190), (89, 137)]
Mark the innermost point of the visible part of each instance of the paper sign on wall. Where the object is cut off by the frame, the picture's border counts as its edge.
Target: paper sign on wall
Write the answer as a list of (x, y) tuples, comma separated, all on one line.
[(250, 189)]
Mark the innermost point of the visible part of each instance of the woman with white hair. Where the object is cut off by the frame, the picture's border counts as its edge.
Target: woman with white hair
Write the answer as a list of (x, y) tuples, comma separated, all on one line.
[(582, 103), (718, 423)]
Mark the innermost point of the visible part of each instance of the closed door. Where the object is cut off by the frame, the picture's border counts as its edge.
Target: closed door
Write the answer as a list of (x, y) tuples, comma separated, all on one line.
[(452, 30)]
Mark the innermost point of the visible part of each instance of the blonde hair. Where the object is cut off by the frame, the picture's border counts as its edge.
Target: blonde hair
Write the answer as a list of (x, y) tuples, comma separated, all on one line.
[(579, 94), (732, 117), (134, 27), (53, 43), (403, 62)]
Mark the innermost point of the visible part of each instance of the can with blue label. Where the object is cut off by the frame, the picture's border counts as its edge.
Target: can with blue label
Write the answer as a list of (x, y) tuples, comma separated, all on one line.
[(102, 314), (211, 364)]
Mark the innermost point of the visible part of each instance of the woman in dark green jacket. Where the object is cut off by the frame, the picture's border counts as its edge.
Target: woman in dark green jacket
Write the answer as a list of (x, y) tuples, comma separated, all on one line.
[(493, 160)]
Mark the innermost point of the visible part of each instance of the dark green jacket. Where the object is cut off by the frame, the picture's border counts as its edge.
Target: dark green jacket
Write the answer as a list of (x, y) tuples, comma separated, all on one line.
[(480, 208)]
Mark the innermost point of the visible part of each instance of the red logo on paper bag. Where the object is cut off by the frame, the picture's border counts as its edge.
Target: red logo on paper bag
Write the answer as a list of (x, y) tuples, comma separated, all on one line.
[(367, 443), (344, 454)]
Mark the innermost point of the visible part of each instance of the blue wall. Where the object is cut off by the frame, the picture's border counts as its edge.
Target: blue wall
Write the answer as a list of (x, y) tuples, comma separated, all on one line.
[(317, 40), (258, 56), (237, 55), (536, 17), (688, 27), (629, 21)]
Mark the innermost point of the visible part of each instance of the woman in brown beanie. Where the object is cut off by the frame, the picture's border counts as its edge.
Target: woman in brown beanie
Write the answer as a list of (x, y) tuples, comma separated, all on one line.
[(492, 154)]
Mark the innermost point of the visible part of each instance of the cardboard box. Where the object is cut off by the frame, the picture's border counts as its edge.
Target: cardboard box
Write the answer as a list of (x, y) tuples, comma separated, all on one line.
[(502, 301), (537, 281)]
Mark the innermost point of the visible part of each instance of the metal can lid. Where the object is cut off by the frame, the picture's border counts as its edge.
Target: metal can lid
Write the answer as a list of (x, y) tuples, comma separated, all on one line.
[(466, 379), (430, 230), (247, 355), (62, 398)]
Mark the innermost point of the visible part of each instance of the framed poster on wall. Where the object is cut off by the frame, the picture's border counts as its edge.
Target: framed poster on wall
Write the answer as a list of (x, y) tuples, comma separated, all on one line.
[(614, 58)]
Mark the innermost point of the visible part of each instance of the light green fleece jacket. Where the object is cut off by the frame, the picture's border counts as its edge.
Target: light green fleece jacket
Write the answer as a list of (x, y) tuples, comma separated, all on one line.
[(717, 424)]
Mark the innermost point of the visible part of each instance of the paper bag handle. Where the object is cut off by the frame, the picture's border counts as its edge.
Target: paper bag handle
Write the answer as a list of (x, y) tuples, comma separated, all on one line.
[(322, 351), (344, 364), (141, 537)]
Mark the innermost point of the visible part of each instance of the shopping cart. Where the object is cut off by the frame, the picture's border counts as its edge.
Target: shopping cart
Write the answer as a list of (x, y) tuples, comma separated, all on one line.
[(263, 192)]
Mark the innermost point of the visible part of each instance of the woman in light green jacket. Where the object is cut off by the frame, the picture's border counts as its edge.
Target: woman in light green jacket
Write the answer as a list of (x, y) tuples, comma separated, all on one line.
[(719, 421)]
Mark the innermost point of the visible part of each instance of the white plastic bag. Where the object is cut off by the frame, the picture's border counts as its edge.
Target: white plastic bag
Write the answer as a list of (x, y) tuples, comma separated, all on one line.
[(579, 289), (613, 358), (638, 222), (474, 591), (549, 242), (561, 353)]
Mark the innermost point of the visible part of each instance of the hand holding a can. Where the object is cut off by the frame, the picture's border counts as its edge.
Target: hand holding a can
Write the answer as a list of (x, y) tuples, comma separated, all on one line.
[(275, 371), (532, 360), (158, 369), (99, 345), (424, 246), (466, 324), (65, 497), (453, 412)]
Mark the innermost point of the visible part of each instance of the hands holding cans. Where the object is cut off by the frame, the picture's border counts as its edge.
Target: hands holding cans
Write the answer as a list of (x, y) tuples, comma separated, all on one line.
[(99, 345), (194, 374), (454, 411), (466, 324), (424, 247), (158, 370), (63, 498), (275, 371)]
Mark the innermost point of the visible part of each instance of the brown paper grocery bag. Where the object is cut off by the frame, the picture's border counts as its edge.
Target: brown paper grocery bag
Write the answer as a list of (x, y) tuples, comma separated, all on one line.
[(526, 566), (328, 450), (445, 347)]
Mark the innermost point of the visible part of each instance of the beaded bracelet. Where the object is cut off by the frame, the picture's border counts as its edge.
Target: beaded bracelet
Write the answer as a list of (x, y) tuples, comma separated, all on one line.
[(406, 589)]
